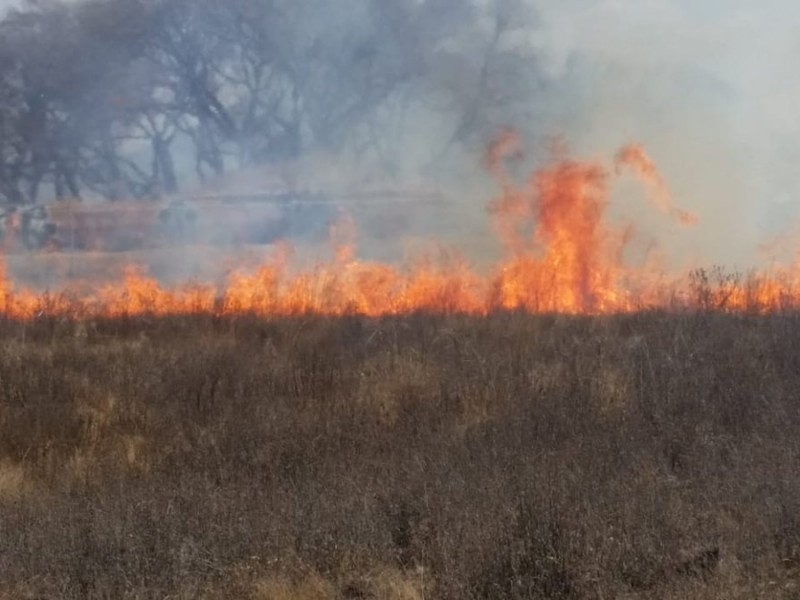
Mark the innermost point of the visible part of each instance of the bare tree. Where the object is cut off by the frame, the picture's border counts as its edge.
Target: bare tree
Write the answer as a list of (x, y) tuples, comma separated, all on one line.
[(103, 96)]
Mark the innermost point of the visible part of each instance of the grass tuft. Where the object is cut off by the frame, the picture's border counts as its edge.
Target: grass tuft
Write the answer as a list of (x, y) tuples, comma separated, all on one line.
[(416, 458)]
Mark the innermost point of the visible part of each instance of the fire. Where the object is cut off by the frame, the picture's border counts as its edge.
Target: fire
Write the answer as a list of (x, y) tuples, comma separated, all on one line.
[(570, 264), (561, 255), (636, 158)]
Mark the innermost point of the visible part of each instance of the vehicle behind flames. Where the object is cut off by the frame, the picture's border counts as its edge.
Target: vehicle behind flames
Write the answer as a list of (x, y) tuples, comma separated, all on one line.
[(26, 228), (124, 226), (252, 219)]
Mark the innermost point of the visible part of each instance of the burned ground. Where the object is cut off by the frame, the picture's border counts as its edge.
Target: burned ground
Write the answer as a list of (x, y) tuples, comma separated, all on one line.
[(647, 456)]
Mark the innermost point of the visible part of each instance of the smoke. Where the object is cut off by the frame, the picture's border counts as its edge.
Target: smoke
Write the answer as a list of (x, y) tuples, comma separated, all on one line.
[(6, 5), (709, 89)]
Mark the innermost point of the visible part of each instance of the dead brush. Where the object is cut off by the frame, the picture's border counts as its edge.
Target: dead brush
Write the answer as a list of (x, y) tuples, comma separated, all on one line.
[(422, 457)]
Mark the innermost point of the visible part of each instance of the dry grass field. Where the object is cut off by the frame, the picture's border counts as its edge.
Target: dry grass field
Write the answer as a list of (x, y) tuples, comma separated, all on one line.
[(509, 457)]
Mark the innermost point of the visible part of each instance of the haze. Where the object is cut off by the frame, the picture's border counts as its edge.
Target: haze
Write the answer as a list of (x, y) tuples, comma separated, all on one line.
[(709, 88)]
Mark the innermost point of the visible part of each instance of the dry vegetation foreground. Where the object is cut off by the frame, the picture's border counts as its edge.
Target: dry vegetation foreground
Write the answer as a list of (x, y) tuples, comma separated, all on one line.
[(645, 456)]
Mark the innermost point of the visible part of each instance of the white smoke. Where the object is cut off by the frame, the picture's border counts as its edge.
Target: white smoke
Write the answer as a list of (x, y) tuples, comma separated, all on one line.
[(709, 87), (711, 90)]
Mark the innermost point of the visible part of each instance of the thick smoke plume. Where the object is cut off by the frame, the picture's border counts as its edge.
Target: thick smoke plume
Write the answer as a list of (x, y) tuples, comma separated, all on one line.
[(133, 99), (707, 87)]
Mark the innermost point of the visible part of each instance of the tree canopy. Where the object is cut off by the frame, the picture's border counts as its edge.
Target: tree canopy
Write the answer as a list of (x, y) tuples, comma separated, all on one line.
[(133, 98)]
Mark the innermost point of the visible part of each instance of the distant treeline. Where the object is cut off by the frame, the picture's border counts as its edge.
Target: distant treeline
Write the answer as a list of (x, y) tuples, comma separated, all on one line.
[(133, 98)]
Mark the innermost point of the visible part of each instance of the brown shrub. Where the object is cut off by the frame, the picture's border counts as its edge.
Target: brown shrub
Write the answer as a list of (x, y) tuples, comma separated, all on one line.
[(648, 456)]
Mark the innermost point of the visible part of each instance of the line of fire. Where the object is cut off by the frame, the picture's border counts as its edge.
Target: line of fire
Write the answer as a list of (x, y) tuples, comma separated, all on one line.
[(560, 253)]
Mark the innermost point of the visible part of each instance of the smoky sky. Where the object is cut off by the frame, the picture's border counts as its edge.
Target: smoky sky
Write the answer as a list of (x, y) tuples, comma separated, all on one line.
[(710, 88), (5, 5)]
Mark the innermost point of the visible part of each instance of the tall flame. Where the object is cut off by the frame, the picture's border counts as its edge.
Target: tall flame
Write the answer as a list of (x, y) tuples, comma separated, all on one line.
[(561, 255)]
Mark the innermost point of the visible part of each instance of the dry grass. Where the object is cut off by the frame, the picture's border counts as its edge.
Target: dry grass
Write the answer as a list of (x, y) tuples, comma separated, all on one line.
[(646, 456)]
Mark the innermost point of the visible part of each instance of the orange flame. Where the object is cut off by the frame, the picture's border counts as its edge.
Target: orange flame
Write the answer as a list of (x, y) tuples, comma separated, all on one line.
[(636, 158), (561, 256)]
